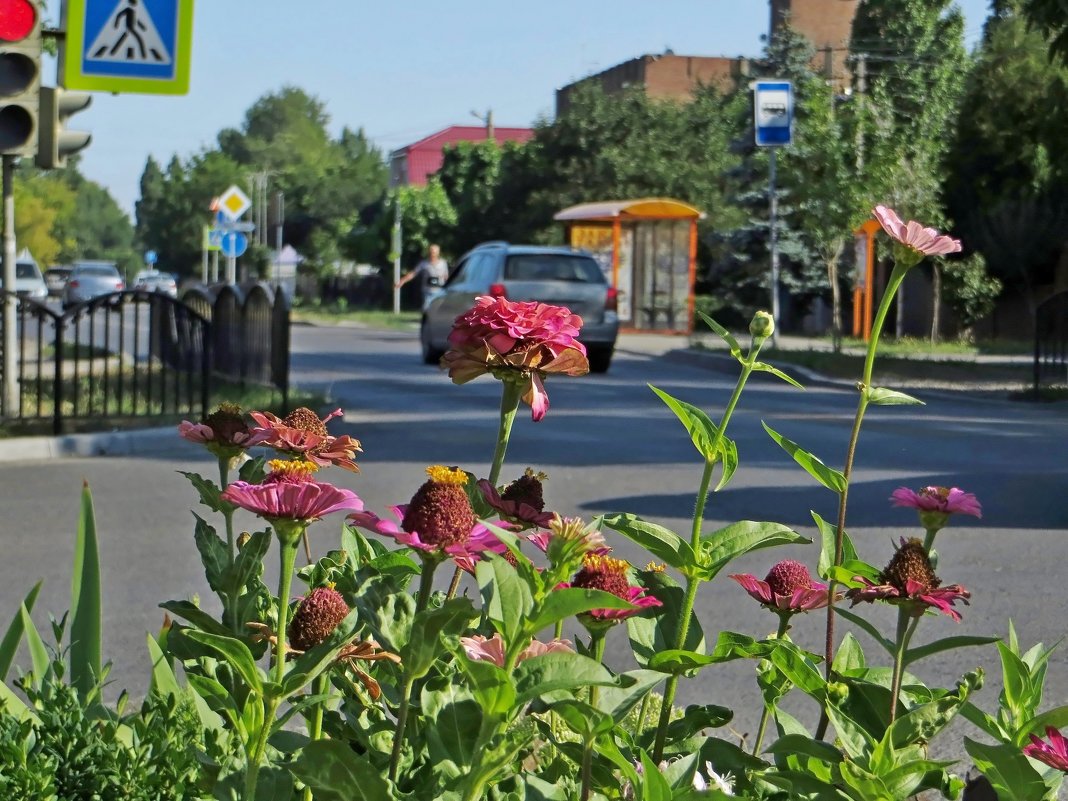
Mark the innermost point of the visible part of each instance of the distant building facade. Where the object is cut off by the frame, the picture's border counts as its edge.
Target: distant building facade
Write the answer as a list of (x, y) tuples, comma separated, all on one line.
[(413, 164), (825, 23)]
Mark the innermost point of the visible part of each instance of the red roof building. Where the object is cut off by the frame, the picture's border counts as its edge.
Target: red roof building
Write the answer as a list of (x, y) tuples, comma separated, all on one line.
[(413, 164)]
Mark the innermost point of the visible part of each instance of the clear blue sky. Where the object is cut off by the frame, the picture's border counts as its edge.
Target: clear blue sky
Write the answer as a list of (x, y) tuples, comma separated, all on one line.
[(401, 70)]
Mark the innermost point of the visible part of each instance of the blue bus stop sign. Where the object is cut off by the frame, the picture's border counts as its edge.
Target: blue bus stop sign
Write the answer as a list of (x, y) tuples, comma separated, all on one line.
[(233, 244), (773, 113), (151, 257)]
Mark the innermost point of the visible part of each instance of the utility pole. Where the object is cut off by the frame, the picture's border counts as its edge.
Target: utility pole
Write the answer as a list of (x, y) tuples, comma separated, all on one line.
[(397, 242), (10, 385), (487, 120), (862, 88)]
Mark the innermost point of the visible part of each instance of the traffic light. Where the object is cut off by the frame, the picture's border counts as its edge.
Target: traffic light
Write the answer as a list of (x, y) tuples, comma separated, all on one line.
[(20, 76), (54, 142)]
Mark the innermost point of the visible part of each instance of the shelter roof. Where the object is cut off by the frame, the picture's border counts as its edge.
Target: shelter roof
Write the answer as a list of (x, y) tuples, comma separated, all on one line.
[(646, 208)]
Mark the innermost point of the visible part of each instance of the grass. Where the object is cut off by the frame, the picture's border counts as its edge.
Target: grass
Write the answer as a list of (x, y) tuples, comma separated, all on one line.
[(372, 318), (913, 346)]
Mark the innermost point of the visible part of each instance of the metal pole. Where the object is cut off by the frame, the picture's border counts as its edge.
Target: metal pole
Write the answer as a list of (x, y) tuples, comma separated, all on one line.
[(204, 256), (231, 270), (397, 239), (773, 242), (10, 385), (215, 266)]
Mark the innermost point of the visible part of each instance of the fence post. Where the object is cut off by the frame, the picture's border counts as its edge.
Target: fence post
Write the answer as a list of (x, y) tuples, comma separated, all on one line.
[(57, 382)]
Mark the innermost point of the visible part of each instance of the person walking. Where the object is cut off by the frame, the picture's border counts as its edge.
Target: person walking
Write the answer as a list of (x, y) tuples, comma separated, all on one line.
[(432, 272)]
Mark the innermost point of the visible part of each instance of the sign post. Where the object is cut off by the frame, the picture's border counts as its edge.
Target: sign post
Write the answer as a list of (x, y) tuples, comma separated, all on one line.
[(229, 206), (773, 113)]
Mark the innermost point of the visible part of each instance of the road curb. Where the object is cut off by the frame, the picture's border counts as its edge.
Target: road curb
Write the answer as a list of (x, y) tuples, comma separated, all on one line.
[(163, 439)]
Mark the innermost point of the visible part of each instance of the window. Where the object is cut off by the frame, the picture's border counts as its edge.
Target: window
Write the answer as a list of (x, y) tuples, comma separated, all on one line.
[(553, 267)]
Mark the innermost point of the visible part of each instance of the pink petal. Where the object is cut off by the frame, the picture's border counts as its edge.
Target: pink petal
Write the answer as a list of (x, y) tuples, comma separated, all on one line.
[(757, 589)]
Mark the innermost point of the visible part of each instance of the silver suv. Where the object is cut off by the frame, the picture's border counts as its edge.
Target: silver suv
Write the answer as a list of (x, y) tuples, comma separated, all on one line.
[(556, 275)]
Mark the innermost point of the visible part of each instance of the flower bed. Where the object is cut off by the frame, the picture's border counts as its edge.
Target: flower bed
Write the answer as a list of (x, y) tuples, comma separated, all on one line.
[(382, 680)]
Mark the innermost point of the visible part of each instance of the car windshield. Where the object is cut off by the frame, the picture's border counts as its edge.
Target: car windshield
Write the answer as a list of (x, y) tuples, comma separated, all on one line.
[(99, 272), (24, 269), (552, 267)]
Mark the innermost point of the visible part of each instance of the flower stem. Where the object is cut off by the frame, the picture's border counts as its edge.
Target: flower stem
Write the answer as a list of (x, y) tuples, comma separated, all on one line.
[(784, 625), (426, 584), (315, 725), (229, 597), (928, 541), (906, 625), (896, 277), (587, 746), (287, 558), (693, 583)]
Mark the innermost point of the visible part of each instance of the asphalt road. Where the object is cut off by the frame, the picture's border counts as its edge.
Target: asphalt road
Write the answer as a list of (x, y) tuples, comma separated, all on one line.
[(608, 444)]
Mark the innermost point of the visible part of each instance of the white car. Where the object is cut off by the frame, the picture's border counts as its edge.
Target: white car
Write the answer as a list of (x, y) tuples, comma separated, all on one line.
[(29, 283), (155, 281)]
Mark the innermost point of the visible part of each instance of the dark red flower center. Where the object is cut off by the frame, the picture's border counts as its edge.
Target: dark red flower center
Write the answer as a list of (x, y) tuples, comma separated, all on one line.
[(787, 576), (316, 618), (226, 422), (910, 561), (603, 573), (440, 513), (526, 489)]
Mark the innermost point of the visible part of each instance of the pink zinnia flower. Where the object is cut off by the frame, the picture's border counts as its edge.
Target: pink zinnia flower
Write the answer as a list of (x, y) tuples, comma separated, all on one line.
[(914, 236), (288, 495), (518, 341), (521, 501), (304, 435), (936, 504), (223, 432), (605, 573), (491, 649), (909, 580), (788, 588), (1054, 753), (439, 521)]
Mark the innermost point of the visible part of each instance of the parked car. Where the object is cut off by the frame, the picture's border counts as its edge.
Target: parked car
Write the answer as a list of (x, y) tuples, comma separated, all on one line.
[(557, 275), (155, 281), (91, 279), (29, 283), (56, 279)]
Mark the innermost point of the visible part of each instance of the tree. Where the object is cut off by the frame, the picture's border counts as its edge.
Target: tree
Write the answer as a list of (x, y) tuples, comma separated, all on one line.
[(1050, 18), (41, 203)]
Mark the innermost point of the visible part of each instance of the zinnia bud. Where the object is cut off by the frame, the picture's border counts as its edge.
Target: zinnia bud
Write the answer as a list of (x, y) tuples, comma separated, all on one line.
[(762, 325), (321, 611)]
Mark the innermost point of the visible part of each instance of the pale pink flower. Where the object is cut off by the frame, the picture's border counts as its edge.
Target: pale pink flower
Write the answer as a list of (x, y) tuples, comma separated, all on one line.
[(913, 235), (945, 500), (516, 341), (1054, 753), (288, 493), (787, 588), (491, 649), (303, 434), (223, 432)]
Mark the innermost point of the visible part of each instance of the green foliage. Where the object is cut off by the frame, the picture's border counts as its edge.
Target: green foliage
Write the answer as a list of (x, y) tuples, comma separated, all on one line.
[(969, 290)]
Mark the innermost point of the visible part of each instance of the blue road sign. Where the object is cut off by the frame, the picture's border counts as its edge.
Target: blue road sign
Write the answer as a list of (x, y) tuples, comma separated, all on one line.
[(773, 112), (215, 236), (234, 244), (151, 257), (128, 45)]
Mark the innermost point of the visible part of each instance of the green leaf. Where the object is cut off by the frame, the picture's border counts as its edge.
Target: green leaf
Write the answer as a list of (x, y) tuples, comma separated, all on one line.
[(662, 543), (828, 477), (657, 629), (36, 646), (695, 718), (557, 671), (490, 685), (849, 656), (630, 688), (767, 368), (424, 645), (10, 644), (876, 635), (945, 644), (827, 546), (983, 721), (214, 555), (163, 679), (249, 562), (506, 597), (724, 334), (386, 610), (235, 652), (1058, 718), (562, 604), (855, 741), (1016, 681), (210, 494), (453, 718), (728, 455), (678, 662), (1008, 770), (798, 667), (335, 772), (731, 645), (654, 785), (583, 719), (730, 542), (703, 432), (805, 746), (881, 396), (311, 663), (11, 704), (85, 630)]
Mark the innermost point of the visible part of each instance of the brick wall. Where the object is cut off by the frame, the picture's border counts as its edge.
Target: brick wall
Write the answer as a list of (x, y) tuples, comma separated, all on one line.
[(825, 23)]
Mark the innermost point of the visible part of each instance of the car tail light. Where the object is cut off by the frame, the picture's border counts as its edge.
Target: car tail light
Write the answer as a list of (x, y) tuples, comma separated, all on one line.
[(119, 285), (611, 300), (497, 291), (73, 283)]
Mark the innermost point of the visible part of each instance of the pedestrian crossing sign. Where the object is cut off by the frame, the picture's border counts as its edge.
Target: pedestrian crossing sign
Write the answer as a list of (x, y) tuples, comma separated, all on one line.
[(128, 46)]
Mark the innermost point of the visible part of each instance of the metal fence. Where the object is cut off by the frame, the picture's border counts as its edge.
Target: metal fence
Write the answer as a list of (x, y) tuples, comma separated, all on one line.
[(1051, 342), (138, 354)]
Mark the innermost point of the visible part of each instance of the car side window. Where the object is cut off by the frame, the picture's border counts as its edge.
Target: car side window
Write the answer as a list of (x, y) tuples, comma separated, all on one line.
[(482, 272), (458, 274)]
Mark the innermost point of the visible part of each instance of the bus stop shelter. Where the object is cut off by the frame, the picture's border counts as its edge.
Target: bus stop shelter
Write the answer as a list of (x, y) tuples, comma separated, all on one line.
[(648, 250)]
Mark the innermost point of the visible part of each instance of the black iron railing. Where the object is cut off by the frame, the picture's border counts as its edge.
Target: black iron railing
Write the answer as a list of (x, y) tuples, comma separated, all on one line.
[(1051, 342)]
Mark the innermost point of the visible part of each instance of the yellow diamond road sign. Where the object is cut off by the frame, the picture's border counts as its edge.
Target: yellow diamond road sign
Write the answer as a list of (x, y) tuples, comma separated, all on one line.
[(233, 203)]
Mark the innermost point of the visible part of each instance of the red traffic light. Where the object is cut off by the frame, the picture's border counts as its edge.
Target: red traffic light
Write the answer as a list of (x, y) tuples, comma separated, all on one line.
[(17, 18)]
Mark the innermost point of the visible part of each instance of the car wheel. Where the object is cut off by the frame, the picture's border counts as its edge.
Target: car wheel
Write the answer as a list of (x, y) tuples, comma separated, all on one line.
[(600, 359), (431, 355)]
